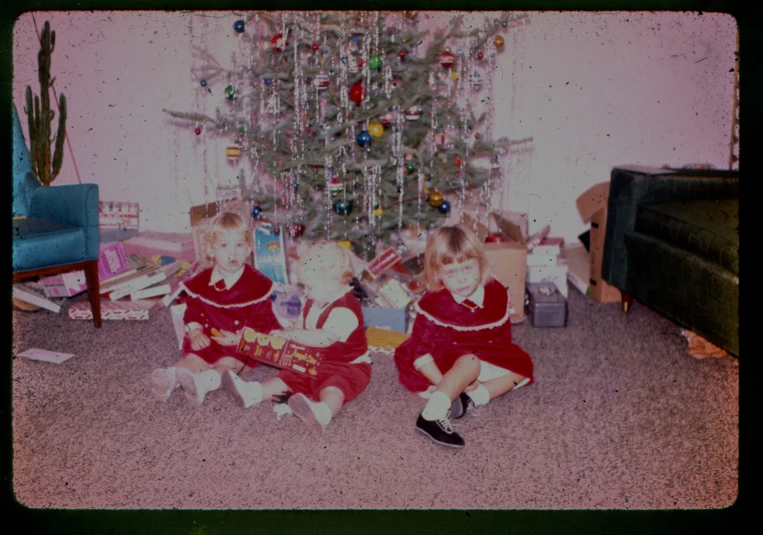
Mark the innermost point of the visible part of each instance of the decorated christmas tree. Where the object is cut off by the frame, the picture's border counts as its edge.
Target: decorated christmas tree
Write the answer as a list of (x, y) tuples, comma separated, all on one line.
[(356, 125)]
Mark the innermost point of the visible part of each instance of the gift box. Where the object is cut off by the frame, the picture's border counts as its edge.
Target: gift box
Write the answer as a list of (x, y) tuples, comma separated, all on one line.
[(395, 319), (279, 352), (118, 215), (112, 261), (116, 310)]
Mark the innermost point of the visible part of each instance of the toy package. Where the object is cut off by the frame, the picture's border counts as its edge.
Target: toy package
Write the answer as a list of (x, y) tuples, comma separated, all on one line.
[(279, 352)]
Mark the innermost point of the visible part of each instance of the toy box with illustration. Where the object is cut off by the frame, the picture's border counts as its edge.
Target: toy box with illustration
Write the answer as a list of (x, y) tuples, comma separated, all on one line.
[(279, 352)]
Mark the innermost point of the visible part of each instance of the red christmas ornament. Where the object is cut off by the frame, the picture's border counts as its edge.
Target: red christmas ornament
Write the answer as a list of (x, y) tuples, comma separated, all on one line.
[(477, 135), (360, 63), (278, 42), (314, 47), (493, 238), (356, 93), (480, 55), (447, 59), (296, 230), (402, 54), (197, 131), (459, 161)]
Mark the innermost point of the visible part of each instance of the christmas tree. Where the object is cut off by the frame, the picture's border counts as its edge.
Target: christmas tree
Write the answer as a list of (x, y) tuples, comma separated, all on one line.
[(356, 124)]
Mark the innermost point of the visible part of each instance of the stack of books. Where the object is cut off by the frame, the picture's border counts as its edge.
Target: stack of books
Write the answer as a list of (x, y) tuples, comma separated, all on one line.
[(32, 293), (145, 279), (546, 264)]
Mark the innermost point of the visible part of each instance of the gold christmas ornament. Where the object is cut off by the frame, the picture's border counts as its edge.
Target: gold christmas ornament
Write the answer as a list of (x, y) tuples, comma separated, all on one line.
[(376, 129), (410, 14), (233, 152), (498, 40), (436, 198), (378, 212), (346, 244), (454, 75)]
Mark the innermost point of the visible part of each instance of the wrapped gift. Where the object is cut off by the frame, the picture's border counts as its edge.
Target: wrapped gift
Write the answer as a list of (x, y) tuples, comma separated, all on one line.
[(382, 262), (116, 310)]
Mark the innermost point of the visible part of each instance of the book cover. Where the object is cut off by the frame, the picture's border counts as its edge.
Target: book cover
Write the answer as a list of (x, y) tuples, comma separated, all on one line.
[(269, 253), (29, 294), (151, 291), (116, 310), (168, 241), (111, 262), (279, 352)]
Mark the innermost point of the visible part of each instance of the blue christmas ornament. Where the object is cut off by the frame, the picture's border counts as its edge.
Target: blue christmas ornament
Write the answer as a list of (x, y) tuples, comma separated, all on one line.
[(444, 207), (267, 81), (239, 26), (342, 207), (256, 211), (364, 138), (203, 83)]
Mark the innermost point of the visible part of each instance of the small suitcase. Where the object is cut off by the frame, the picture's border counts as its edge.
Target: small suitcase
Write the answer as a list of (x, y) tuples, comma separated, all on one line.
[(545, 305)]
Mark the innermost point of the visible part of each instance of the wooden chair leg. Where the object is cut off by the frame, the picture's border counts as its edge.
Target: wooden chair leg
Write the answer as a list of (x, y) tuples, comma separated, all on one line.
[(93, 288), (627, 300)]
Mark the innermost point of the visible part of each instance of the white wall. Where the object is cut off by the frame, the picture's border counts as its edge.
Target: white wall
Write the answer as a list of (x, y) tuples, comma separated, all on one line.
[(593, 90)]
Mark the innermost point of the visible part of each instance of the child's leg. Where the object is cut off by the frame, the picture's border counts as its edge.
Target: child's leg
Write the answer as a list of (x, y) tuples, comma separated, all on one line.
[(318, 415), (165, 379), (248, 393), (197, 384), (500, 385)]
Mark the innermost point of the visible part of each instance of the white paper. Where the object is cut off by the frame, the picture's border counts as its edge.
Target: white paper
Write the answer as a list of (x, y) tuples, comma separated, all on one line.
[(45, 355)]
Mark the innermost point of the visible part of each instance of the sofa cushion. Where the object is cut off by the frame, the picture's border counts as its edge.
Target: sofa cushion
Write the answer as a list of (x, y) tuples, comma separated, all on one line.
[(709, 228)]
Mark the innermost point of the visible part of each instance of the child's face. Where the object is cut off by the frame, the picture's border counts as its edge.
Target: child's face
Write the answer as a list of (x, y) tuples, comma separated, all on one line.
[(231, 250), (461, 278), (318, 287)]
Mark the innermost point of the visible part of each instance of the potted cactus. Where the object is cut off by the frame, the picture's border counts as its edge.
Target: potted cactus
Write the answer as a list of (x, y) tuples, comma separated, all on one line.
[(41, 116)]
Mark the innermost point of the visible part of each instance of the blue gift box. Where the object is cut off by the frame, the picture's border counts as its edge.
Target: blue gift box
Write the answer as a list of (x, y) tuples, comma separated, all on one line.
[(392, 318)]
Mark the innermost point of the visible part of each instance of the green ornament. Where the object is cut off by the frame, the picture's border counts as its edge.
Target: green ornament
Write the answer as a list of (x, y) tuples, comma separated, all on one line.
[(242, 129), (410, 167), (504, 23), (230, 92), (374, 62)]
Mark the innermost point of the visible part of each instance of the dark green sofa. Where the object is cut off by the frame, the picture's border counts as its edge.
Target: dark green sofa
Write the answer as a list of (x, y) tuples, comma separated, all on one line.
[(672, 243)]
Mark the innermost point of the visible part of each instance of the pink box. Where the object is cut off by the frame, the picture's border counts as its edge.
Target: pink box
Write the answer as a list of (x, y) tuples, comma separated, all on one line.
[(111, 262), (124, 215), (116, 310)]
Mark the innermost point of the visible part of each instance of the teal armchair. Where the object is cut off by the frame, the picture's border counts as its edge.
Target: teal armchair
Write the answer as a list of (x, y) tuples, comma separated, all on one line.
[(55, 229)]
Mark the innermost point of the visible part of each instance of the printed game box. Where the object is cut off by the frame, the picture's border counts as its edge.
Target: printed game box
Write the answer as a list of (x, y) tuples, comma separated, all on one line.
[(279, 352)]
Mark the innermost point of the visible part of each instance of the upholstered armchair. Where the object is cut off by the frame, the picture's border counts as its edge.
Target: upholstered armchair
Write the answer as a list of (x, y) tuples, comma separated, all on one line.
[(55, 229), (672, 243)]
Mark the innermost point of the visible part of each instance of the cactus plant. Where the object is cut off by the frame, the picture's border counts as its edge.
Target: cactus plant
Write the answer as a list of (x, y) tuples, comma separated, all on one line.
[(41, 116)]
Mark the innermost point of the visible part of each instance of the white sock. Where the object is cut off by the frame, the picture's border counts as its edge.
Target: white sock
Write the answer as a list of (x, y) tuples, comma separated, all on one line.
[(322, 413), (480, 395), (213, 379), (437, 407)]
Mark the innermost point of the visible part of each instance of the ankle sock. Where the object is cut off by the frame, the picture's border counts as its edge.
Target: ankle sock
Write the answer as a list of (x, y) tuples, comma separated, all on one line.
[(437, 407), (322, 413), (480, 395), (212, 378)]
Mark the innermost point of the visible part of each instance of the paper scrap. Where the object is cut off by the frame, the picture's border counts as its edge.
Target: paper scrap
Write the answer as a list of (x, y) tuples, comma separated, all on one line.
[(44, 355)]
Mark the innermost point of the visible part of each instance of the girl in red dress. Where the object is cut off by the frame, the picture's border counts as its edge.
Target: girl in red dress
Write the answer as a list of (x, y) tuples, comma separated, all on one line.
[(220, 301), (460, 353), (332, 320)]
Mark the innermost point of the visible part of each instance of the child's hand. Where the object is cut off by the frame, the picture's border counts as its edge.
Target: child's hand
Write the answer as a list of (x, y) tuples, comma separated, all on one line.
[(227, 338), (281, 333), (199, 340)]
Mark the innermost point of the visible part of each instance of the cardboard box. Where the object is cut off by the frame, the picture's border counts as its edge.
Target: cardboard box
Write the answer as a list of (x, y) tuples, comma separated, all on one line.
[(592, 205), (508, 261)]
